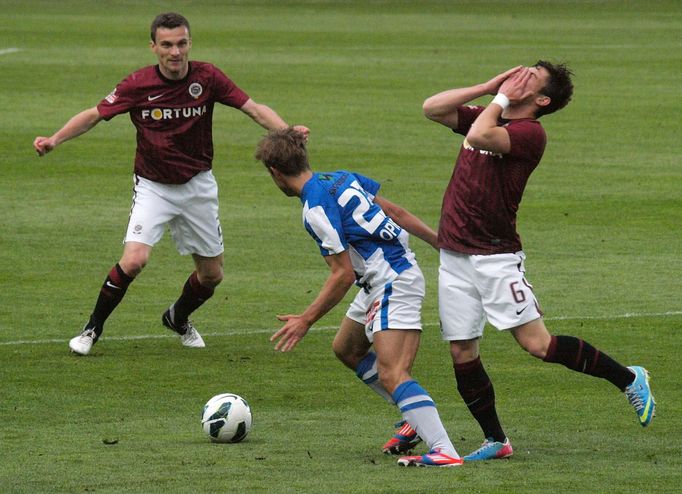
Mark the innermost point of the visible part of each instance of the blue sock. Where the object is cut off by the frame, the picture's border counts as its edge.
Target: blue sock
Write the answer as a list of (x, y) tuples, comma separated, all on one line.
[(367, 371)]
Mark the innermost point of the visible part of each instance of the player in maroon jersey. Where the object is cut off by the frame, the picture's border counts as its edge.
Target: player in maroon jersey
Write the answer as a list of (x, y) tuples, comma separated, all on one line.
[(481, 273), (171, 105)]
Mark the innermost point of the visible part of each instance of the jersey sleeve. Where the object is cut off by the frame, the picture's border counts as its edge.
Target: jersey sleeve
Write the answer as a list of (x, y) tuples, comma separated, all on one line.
[(323, 222), (465, 118), (226, 91), (120, 100), (371, 187), (527, 139)]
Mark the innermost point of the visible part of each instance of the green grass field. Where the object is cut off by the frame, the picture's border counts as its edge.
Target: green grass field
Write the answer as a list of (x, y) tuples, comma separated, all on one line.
[(600, 223)]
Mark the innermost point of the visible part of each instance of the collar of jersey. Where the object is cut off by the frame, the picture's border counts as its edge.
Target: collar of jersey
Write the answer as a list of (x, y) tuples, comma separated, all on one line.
[(307, 186), (173, 81)]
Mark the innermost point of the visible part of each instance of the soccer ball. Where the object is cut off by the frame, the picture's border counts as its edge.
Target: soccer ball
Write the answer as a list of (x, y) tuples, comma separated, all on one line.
[(226, 418)]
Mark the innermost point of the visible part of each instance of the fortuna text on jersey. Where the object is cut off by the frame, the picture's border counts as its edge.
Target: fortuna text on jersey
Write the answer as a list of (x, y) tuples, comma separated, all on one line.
[(170, 113), (469, 147)]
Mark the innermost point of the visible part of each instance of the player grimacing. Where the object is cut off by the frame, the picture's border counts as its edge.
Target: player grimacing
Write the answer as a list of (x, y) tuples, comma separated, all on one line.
[(482, 273)]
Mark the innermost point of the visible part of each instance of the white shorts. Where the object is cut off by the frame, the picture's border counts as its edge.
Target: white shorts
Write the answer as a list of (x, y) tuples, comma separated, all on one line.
[(473, 288), (190, 210), (395, 305)]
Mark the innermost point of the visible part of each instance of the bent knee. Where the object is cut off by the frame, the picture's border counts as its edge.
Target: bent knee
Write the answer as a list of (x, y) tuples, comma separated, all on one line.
[(536, 348), (463, 351), (133, 265), (135, 257), (213, 280), (339, 350), (348, 358), (210, 278)]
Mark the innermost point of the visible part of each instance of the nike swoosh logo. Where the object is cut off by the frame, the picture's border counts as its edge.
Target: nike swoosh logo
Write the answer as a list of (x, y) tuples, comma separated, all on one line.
[(518, 312), (152, 98), (111, 285)]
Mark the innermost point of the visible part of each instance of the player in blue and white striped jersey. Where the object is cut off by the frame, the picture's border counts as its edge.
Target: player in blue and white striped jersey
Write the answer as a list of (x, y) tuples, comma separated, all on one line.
[(339, 213), (364, 240)]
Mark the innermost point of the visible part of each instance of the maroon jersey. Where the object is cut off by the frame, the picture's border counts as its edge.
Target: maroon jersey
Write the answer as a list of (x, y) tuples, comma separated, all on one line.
[(479, 207), (173, 118)]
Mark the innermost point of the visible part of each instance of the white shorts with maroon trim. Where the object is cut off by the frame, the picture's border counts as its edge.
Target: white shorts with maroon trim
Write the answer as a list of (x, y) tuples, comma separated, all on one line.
[(395, 305), (190, 210), (473, 288)]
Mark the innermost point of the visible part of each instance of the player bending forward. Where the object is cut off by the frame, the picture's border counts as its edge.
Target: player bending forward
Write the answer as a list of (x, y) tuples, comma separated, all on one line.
[(363, 240)]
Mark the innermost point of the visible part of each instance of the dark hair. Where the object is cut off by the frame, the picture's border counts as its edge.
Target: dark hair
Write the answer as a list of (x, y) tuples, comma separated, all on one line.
[(168, 20), (284, 150), (559, 87)]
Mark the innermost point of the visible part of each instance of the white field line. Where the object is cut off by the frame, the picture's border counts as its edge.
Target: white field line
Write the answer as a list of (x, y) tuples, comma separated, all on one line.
[(239, 332), (7, 51)]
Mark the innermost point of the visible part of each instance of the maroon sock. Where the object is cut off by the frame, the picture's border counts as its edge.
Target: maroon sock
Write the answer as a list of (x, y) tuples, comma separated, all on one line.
[(194, 294), (477, 391), (110, 295), (580, 356)]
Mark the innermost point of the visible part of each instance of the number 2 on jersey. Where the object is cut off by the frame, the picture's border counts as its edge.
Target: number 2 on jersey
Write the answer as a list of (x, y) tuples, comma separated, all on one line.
[(389, 231)]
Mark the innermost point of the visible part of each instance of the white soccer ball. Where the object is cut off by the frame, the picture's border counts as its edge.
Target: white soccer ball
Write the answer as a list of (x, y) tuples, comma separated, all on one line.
[(226, 418)]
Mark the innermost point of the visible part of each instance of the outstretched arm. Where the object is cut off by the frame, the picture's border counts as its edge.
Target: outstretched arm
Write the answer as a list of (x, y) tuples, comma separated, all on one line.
[(442, 107), (77, 125), (335, 288), (408, 221), (268, 118)]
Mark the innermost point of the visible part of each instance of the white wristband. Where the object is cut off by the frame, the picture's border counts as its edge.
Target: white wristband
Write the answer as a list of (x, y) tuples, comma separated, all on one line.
[(502, 100)]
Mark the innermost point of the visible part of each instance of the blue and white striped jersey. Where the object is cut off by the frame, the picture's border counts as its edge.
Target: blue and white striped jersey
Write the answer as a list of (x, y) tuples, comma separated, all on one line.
[(340, 214)]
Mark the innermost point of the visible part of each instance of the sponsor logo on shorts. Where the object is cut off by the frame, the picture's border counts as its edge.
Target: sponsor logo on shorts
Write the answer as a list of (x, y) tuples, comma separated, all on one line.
[(372, 313), (518, 312)]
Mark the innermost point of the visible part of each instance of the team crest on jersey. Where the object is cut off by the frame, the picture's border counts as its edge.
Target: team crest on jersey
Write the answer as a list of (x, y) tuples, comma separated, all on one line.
[(195, 90), (112, 96)]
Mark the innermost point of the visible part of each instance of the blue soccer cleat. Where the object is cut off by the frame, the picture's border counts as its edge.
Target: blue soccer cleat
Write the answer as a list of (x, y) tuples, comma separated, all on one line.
[(639, 395), (433, 458), (491, 450)]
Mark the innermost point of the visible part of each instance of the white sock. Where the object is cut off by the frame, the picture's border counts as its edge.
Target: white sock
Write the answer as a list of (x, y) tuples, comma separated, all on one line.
[(420, 412)]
